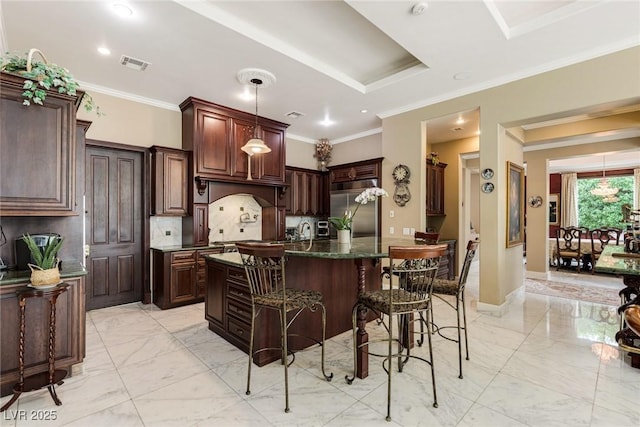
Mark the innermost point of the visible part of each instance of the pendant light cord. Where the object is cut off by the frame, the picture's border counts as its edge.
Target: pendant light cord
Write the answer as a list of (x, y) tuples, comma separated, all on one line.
[(256, 83)]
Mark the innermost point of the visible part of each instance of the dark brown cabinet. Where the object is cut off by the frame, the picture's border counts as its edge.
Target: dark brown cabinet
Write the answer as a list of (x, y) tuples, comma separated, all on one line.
[(37, 152), (305, 194), (228, 311), (215, 135), (170, 183), (435, 189), (273, 223), (368, 169), (179, 277)]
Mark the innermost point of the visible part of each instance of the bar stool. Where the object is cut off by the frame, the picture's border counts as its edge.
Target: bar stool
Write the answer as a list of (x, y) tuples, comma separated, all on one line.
[(264, 265), (412, 270), (456, 289)]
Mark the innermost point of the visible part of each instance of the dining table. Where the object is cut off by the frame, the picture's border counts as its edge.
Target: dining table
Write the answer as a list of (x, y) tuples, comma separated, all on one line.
[(615, 260)]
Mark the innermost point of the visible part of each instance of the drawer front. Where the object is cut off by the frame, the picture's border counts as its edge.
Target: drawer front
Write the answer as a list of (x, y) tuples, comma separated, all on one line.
[(239, 329), (239, 292), (239, 309), (183, 256), (237, 275)]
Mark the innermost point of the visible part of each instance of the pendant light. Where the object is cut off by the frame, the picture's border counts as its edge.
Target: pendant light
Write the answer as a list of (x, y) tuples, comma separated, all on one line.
[(255, 145), (603, 189)]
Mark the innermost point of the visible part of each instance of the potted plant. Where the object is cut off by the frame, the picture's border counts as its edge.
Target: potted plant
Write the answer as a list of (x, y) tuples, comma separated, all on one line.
[(45, 272), (41, 76)]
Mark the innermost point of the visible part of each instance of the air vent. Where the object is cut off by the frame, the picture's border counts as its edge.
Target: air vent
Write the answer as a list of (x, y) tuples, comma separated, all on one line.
[(457, 129), (136, 64), (294, 114)]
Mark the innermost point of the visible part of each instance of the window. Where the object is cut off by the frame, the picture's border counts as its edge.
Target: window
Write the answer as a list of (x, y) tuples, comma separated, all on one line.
[(596, 211)]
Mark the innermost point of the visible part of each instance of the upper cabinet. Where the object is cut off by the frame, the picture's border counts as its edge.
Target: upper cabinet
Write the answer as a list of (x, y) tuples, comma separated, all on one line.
[(215, 135), (37, 152), (368, 169), (169, 174), (435, 188), (306, 192)]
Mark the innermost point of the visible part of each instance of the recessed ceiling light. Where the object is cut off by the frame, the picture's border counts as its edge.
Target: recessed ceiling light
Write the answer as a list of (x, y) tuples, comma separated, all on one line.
[(104, 51), (327, 122), (364, 110), (122, 9), (247, 95), (460, 121)]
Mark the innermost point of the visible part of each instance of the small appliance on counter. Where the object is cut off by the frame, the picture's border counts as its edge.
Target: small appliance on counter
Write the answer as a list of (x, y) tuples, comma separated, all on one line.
[(322, 228), (23, 255)]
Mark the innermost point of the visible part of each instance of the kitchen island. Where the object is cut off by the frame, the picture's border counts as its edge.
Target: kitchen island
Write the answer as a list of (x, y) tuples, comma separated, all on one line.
[(339, 271)]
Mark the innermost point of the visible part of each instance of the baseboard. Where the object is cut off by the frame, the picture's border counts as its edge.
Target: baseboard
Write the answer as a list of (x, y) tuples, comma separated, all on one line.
[(502, 309)]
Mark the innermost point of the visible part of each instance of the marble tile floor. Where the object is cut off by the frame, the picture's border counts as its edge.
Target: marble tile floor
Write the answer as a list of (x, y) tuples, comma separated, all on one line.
[(547, 361)]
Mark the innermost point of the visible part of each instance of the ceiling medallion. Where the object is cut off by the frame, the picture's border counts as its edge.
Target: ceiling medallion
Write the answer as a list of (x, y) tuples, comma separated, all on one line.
[(248, 75)]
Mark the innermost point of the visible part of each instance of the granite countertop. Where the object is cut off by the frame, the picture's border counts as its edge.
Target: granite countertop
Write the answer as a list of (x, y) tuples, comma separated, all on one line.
[(360, 247), (175, 248), (608, 263), (67, 269)]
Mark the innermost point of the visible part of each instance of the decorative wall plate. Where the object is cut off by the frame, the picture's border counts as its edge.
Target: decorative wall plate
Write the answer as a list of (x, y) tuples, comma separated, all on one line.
[(487, 173), (487, 187), (535, 201)]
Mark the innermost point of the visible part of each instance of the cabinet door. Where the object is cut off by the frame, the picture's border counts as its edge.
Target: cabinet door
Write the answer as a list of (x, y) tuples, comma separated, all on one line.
[(300, 195), (241, 132), (288, 195), (313, 196), (170, 184), (214, 297), (183, 282), (37, 153), (271, 165), (212, 153), (200, 224), (435, 189)]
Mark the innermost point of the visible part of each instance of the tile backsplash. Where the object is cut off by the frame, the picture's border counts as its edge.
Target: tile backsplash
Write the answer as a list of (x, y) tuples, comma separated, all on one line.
[(165, 231), (236, 217)]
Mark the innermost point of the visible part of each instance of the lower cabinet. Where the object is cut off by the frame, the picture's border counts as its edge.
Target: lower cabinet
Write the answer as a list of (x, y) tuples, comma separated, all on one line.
[(179, 276), (228, 311)]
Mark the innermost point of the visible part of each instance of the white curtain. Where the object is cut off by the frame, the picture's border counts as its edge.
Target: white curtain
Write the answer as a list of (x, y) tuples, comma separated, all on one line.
[(636, 189), (569, 200)]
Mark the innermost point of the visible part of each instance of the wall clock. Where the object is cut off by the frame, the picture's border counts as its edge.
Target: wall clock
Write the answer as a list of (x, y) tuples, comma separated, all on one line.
[(401, 195), (401, 173)]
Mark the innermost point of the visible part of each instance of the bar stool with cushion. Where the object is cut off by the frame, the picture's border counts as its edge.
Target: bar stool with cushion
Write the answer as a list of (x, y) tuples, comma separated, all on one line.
[(265, 268), (442, 287), (412, 270)]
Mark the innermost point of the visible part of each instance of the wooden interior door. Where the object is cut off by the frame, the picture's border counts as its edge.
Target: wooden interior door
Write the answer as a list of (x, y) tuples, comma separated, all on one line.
[(114, 226)]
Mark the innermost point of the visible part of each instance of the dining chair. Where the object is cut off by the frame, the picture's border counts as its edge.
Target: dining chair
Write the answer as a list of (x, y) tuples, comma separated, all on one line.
[(412, 271), (442, 288), (264, 265), (601, 237), (568, 246)]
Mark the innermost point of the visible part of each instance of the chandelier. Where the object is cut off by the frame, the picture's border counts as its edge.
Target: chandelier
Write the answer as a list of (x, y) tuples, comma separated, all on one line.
[(604, 190)]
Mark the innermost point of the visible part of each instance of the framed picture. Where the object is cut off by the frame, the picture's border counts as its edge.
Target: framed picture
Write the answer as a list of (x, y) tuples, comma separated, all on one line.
[(515, 204), (554, 209)]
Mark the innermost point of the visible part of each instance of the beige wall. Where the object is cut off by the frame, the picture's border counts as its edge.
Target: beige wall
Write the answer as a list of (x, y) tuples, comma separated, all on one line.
[(609, 79), (133, 123)]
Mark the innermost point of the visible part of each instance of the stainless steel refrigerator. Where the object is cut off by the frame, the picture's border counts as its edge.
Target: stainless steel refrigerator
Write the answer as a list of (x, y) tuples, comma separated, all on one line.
[(343, 195)]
